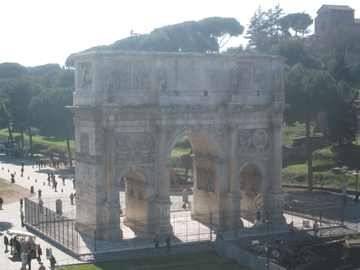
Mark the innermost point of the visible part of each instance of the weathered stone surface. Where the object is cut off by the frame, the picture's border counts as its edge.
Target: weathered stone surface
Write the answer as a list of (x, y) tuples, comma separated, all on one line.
[(132, 107)]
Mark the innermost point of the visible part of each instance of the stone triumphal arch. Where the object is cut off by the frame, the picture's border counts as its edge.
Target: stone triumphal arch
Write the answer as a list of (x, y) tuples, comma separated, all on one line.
[(132, 107)]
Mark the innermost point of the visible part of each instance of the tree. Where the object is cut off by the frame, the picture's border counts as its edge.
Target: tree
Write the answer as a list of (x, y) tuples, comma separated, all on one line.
[(207, 35), (298, 22), (11, 70), (51, 112), (307, 93), (341, 121), (218, 31), (20, 92), (296, 51)]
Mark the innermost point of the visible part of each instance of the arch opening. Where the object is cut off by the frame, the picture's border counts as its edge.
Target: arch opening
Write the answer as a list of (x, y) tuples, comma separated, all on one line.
[(251, 181)]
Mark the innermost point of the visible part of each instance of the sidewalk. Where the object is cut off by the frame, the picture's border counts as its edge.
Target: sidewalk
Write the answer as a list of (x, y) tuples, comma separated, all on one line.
[(10, 215)]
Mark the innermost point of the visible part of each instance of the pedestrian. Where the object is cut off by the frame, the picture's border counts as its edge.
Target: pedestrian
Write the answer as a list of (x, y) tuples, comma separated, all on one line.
[(21, 204), (315, 227), (29, 256), (156, 241), (42, 267), (12, 246), (39, 252), (74, 183), (22, 172), (63, 178), (52, 262), (72, 198), (6, 243), (55, 185), (39, 193), (168, 244), (22, 218), (41, 203), (24, 259), (18, 247), (291, 228), (1, 202)]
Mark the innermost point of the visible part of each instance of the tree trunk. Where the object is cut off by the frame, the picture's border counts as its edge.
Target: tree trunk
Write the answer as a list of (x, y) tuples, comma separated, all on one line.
[(309, 156), (10, 132), (68, 146), (30, 139), (22, 138)]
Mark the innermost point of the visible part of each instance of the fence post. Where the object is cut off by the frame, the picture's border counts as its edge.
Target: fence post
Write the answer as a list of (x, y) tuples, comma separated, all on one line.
[(95, 239), (210, 226)]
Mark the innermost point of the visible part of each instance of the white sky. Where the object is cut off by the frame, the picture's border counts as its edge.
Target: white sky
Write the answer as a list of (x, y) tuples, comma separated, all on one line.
[(37, 32)]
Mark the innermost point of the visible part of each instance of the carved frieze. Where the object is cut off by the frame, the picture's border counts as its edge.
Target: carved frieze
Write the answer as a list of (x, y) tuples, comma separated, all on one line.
[(259, 75), (254, 152), (84, 142), (244, 139), (277, 79), (206, 179), (134, 159), (240, 77), (144, 143), (161, 80), (110, 87), (123, 143), (260, 138), (84, 74)]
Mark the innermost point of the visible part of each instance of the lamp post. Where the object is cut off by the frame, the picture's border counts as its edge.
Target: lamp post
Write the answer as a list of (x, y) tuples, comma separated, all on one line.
[(267, 264), (356, 193)]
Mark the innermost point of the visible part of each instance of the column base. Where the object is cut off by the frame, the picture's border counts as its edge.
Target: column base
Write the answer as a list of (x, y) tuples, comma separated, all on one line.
[(161, 224)]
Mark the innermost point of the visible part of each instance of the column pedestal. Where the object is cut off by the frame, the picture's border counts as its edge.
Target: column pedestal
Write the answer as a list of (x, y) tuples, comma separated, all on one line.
[(162, 226), (111, 231)]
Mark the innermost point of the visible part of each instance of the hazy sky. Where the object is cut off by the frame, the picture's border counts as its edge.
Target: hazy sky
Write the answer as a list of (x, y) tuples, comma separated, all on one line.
[(36, 32)]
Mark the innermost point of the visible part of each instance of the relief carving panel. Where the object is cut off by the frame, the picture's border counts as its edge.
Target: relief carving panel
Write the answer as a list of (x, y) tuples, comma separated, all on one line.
[(206, 179), (123, 144), (144, 143), (84, 74), (84, 142)]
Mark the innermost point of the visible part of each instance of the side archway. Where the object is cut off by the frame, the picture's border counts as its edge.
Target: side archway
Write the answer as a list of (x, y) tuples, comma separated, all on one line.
[(251, 185)]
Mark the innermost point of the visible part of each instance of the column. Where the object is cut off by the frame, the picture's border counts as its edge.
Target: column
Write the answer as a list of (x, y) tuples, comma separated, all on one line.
[(162, 203), (275, 198)]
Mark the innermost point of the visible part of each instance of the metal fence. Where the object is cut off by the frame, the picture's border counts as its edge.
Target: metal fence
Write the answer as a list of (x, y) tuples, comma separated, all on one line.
[(84, 238), (56, 226)]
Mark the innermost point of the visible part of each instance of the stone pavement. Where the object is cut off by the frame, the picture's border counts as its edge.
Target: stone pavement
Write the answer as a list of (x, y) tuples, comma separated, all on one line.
[(10, 216)]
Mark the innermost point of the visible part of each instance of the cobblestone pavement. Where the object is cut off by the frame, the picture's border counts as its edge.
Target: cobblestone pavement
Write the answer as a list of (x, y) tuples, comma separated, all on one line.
[(10, 216)]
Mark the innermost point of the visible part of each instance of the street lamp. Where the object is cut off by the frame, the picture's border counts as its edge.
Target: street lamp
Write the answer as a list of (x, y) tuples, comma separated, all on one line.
[(356, 193), (267, 264)]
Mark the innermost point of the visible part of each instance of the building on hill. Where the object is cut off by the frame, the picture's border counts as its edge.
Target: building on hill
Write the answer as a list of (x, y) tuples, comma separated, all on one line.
[(331, 16)]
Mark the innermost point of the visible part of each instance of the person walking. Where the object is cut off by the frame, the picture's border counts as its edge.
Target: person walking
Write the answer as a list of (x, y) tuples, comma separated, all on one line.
[(6, 243), (55, 185), (24, 259), (39, 252), (22, 218), (1, 202), (315, 228), (291, 228), (156, 241), (52, 262), (21, 204), (42, 267), (168, 244), (72, 198), (63, 179), (29, 257)]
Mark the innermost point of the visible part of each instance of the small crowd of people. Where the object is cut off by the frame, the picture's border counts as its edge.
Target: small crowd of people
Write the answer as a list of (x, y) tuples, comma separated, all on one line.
[(26, 250), (157, 241)]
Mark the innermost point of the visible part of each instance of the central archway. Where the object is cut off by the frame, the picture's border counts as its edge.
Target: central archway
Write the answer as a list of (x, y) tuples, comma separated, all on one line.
[(206, 172)]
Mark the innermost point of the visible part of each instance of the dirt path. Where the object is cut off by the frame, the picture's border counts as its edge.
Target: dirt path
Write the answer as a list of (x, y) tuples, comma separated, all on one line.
[(12, 192)]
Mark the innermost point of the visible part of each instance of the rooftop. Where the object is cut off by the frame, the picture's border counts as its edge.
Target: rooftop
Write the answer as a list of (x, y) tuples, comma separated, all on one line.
[(336, 7)]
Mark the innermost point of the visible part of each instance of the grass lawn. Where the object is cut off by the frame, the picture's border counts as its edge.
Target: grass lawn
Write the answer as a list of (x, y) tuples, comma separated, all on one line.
[(41, 142), (162, 260)]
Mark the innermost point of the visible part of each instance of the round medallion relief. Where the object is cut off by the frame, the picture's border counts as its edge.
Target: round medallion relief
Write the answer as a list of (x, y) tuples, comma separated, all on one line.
[(123, 144), (144, 143), (260, 138), (244, 139)]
